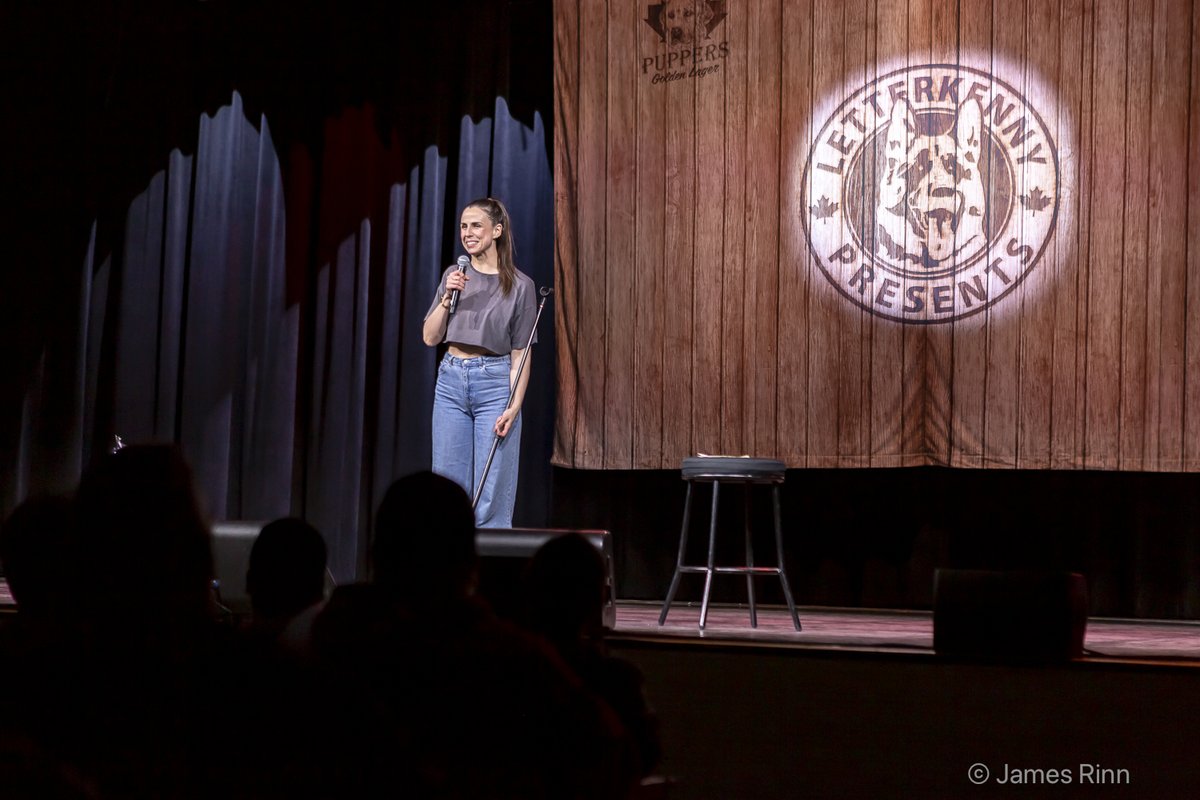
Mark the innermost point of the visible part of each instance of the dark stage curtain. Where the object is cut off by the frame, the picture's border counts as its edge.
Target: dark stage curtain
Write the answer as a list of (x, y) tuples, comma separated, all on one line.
[(244, 262)]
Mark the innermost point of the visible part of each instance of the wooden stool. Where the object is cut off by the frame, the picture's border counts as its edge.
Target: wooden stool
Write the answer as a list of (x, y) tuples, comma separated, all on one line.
[(746, 471)]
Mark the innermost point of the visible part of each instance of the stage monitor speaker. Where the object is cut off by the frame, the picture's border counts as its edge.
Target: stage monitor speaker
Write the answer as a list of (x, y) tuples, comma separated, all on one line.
[(232, 541), (231, 544), (1015, 616), (504, 553)]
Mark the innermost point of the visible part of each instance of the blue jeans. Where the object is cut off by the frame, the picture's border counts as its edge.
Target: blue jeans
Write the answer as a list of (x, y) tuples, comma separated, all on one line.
[(470, 395)]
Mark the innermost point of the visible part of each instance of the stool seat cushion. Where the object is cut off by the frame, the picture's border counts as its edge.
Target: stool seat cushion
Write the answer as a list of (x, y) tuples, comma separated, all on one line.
[(732, 468)]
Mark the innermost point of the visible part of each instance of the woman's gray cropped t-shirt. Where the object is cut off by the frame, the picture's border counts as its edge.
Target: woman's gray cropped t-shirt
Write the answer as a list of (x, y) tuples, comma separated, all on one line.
[(485, 316)]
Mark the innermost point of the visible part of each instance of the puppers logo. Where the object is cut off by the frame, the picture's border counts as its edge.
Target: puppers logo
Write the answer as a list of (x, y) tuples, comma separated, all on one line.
[(686, 27), (930, 193), (685, 21)]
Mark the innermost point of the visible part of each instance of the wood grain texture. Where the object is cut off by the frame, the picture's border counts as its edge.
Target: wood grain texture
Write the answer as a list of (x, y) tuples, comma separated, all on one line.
[(825, 306), (1106, 242), (708, 224), (966, 370), (620, 211), (566, 225), (1037, 343), (1135, 290), (888, 362), (797, 53), (1191, 386), (680, 258), (694, 316), (762, 221), (1166, 250), (1003, 393), (735, 162), (650, 280), (592, 257), (1086, 182), (854, 336)]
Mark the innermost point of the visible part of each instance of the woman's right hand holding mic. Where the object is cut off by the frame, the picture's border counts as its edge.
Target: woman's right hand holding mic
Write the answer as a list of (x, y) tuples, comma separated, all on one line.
[(455, 281)]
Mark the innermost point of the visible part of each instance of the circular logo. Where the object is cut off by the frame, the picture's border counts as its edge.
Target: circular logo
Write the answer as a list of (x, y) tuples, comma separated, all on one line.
[(930, 193)]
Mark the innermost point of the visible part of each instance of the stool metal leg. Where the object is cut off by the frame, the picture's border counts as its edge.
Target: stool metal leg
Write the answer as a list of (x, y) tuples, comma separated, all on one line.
[(749, 557), (712, 546), (787, 591), (683, 536)]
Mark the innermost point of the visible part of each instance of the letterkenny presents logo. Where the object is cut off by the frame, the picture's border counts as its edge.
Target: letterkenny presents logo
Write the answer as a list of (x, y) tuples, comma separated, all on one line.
[(688, 44), (930, 193)]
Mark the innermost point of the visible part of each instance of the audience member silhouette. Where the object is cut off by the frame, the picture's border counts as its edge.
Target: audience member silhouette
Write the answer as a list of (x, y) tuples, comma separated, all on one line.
[(449, 700), (155, 659), (423, 553), (147, 548), (28, 771), (565, 590), (147, 695), (286, 582), (38, 554)]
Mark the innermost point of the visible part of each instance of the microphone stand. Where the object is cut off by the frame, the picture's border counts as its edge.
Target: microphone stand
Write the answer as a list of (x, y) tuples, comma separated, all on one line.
[(545, 293)]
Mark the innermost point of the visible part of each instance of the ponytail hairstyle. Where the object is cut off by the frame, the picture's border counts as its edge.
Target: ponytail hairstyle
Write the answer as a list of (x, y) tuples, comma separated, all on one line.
[(506, 249)]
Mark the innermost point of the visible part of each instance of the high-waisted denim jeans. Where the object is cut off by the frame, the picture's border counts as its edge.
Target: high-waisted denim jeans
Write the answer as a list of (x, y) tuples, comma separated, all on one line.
[(470, 395)]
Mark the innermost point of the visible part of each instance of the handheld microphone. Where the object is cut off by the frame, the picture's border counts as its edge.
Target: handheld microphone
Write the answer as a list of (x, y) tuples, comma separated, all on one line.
[(463, 261)]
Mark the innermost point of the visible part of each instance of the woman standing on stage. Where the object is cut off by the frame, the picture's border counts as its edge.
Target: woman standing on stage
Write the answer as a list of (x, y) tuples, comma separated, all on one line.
[(486, 333)]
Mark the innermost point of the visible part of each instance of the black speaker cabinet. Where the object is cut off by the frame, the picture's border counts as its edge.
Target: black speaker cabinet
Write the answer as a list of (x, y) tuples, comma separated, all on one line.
[(1009, 616), (504, 552), (231, 544), (232, 541)]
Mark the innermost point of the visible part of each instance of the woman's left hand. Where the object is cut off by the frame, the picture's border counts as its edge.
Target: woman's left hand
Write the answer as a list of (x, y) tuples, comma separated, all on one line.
[(504, 423)]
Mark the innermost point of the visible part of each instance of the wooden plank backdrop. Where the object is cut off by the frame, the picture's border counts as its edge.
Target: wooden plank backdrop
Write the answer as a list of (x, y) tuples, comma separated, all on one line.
[(697, 314)]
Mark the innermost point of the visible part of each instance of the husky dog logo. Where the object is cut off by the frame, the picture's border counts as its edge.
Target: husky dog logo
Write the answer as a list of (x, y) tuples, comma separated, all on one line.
[(933, 185), (912, 193)]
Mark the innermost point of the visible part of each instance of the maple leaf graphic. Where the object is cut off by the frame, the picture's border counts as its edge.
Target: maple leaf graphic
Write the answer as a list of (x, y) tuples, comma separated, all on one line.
[(823, 209), (1035, 201)]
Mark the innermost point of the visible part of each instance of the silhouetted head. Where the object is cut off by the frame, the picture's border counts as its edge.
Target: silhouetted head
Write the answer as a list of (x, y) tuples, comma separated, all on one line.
[(287, 568), (424, 548), (40, 558), (565, 588), (145, 543)]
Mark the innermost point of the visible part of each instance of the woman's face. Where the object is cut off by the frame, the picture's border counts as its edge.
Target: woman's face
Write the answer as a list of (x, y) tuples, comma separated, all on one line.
[(477, 231)]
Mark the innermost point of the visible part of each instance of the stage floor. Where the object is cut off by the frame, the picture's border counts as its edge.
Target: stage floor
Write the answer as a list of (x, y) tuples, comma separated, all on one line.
[(870, 630), (874, 630)]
